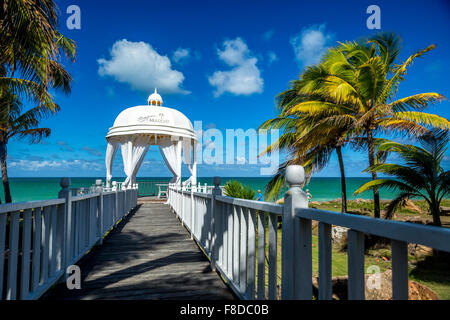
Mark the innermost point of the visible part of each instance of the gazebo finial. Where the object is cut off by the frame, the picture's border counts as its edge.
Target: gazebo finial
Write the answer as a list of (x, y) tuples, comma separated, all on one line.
[(155, 99)]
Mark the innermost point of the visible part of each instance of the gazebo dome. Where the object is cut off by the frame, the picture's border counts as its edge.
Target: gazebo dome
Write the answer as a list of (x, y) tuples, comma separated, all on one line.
[(152, 120)]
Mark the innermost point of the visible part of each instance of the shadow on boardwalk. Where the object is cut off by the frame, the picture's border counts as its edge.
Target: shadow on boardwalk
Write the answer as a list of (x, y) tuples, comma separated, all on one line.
[(148, 256)]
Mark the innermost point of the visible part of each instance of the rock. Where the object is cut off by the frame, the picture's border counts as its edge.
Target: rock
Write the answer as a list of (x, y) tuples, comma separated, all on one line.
[(379, 289), (362, 200), (419, 250), (339, 234), (445, 210), (409, 205)]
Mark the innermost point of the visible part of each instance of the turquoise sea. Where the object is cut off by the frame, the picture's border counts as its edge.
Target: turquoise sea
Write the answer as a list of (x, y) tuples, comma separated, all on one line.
[(28, 189)]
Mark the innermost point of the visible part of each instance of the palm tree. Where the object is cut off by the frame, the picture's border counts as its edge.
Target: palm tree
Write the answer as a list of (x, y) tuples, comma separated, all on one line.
[(14, 123), (362, 79), (420, 176), (309, 140), (30, 48)]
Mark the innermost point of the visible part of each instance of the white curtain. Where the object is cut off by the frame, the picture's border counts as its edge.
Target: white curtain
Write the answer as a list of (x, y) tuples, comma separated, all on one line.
[(111, 150), (170, 152), (133, 153), (189, 159)]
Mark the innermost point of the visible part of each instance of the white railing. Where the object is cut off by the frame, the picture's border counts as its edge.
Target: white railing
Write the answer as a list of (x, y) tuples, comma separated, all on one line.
[(40, 239), (232, 233)]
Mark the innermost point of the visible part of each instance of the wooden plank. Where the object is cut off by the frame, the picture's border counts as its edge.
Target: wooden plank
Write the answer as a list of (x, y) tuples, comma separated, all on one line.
[(18, 206), (430, 236), (236, 244), (2, 250), (272, 274), (399, 270), (325, 262), (11, 282), (218, 237), (53, 239), (230, 246), (169, 266), (76, 227), (45, 245), (251, 260), (26, 254), (303, 260), (356, 281), (243, 250), (261, 255), (60, 236), (225, 229), (37, 243), (253, 204)]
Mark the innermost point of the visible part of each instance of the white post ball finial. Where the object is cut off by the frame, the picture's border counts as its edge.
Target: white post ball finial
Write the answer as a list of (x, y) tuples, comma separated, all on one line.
[(295, 176), (64, 183)]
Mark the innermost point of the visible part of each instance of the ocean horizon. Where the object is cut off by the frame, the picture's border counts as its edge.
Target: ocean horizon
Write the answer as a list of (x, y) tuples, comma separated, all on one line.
[(321, 188)]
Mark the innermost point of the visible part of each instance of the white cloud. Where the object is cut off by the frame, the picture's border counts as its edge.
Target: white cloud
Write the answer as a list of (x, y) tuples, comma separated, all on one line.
[(181, 54), (36, 165), (144, 69), (310, 44), (244, 78), (271, 57)]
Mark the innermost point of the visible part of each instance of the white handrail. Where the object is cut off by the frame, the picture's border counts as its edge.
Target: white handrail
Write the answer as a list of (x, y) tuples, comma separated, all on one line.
[(54, 234), (227, 228)]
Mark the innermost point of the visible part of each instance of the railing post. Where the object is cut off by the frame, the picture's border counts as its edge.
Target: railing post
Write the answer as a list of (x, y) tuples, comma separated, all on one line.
[(117, 214), (192, 215), (66, 194), (294, 198), (99, 188), (216, 191)]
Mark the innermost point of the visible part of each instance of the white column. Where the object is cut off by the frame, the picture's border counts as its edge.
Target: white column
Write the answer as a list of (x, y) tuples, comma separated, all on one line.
[(194, 166), (111, 150), (179, 163), (130, 164)]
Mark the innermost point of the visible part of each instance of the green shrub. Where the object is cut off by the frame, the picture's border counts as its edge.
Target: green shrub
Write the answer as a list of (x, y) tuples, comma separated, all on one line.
[(235, 189), (247, 193)]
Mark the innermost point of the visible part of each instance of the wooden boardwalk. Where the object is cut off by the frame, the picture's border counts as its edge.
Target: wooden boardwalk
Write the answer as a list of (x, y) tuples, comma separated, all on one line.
[(148, 256)]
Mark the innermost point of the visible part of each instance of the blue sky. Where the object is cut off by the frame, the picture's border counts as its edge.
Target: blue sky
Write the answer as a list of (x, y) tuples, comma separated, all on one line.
[(221, 63)]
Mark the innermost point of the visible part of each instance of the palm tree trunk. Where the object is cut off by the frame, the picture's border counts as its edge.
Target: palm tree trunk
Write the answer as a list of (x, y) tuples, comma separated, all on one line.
[(376, 192), (343, 185), (435, 212), (5, 180)]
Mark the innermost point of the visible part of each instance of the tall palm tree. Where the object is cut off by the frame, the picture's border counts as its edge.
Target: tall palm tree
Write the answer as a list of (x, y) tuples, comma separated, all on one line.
[(363, 77), (309, 140), (30, 50), (421, 175)]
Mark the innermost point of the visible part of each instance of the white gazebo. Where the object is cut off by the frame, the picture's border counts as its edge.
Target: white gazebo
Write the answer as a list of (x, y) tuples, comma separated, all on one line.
[(137, 128)]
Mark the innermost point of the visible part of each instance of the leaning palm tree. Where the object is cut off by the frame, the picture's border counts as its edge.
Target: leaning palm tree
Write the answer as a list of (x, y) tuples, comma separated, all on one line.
[(30, 50), (420, 176), (309, 140), (13, 124), (364, 77)]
